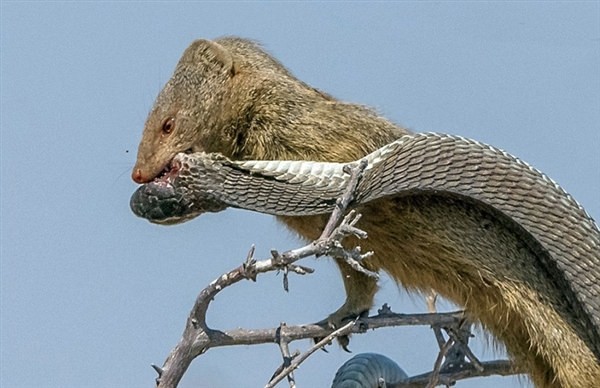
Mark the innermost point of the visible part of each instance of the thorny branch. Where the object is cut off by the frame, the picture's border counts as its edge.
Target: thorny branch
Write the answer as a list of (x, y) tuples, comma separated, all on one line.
[(287, 358), (288, 369), (198, 338)]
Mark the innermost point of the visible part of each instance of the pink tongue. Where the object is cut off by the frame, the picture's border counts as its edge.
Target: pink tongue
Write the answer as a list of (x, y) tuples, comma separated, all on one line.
[(168, 173)]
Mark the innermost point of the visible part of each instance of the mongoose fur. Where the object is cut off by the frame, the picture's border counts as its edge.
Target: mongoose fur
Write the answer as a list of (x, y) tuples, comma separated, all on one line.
[(230, 96)]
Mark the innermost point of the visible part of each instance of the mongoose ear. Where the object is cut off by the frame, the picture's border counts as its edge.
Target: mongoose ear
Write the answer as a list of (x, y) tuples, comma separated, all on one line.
[(208, 52)]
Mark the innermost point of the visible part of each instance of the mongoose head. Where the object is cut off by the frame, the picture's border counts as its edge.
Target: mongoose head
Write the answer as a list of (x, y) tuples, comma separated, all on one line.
[(187, 110), (231, 97)]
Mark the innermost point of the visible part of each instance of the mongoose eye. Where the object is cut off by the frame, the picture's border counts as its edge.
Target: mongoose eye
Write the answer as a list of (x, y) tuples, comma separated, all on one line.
[(168, 125)]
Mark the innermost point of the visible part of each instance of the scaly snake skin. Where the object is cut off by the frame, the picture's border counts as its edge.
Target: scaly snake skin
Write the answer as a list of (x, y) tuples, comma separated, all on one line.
[(365, 370), (547, 217)]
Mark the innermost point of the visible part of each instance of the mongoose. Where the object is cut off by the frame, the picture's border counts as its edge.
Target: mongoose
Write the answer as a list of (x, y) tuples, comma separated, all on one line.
[(230, 96)]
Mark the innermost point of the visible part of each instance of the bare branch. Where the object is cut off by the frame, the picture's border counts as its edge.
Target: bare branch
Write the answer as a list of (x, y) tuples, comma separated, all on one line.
[(461, 335), (343, 202), (344, 330), (450, 377), (198, 338), (287, 358), (435, 374)]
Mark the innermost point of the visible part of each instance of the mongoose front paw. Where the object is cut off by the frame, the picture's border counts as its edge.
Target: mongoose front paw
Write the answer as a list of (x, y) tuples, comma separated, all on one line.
[(338, 319)]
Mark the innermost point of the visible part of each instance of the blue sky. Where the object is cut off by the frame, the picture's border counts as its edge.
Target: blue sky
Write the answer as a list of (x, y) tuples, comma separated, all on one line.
[(92, 295)]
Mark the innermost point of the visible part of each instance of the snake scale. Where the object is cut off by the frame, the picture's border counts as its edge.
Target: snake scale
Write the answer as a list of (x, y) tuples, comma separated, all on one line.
[(565, 238)]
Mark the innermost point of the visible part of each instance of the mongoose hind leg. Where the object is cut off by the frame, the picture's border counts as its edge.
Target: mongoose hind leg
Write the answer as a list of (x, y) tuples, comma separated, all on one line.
[(360, 291)]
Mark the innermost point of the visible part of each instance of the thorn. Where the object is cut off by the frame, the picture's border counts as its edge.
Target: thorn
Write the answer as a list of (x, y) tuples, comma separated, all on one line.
[(249, 267), (158, 369), (275, 255), (250, 255), (286, 285), (385, 309)]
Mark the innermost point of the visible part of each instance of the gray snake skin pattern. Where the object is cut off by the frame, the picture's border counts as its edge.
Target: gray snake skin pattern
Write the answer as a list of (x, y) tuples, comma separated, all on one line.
[(365, 370), (566, 238)]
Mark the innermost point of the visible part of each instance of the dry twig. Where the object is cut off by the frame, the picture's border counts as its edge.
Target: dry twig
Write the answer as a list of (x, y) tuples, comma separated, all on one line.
[(198, 338)]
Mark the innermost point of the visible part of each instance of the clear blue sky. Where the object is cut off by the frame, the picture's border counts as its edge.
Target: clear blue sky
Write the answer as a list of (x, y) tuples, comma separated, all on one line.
[(92, 295)]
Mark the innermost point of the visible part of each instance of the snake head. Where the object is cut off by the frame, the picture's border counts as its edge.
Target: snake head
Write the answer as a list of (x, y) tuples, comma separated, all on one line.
[(172, 199)]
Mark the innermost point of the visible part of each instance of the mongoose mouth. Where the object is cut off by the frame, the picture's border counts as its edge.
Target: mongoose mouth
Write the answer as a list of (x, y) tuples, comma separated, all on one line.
[(171, 170), (169, 173), (159, 200)]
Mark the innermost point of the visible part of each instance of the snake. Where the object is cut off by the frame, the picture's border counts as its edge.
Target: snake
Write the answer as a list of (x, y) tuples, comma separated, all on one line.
[(367, 370), (549, 219)]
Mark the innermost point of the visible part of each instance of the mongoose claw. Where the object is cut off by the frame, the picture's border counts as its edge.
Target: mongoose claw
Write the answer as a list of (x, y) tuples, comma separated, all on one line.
[(344, 341), (339, 319)]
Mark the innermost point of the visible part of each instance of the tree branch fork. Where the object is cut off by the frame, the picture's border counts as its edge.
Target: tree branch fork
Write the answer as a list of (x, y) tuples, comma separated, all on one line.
[(198, 338)]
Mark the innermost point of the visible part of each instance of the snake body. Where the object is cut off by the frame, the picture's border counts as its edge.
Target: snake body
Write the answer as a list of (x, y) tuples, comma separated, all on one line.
[(366, 370), (550, 221)]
